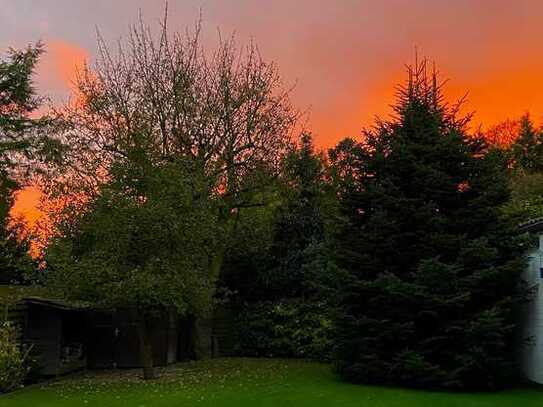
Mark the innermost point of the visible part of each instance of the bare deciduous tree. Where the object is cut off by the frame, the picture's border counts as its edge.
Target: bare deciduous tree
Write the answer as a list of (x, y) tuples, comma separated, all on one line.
[(227, 112)]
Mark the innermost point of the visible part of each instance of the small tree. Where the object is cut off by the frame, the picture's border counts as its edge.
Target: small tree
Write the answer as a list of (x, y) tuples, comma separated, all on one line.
[(299, 220), (144, 244), (525, 172), (14, 364), (527, 150), (211, 122)]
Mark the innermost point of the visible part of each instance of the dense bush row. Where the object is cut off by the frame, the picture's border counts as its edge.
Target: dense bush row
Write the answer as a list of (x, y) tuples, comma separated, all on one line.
[(15, 362), (285, 328)]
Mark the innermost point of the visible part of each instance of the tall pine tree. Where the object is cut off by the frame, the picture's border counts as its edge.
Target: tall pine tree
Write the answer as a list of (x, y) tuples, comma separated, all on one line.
[(21, 142), (527, 150), (427, 290), (299, 221)]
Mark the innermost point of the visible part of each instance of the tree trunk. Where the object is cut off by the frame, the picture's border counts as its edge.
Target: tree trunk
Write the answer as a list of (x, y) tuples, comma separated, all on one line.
[(146, 346), (201, 324), (201, 338), (217, 262)]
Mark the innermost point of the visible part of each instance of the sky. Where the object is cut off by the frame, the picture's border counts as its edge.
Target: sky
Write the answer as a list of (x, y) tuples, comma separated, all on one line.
[(344, 57)]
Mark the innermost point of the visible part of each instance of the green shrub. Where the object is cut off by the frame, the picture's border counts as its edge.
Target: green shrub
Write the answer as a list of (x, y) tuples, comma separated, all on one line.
[(14, 361), (285, 328)]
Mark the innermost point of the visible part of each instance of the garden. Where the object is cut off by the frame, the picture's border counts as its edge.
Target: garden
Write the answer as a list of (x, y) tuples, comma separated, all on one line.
[(198, 246)]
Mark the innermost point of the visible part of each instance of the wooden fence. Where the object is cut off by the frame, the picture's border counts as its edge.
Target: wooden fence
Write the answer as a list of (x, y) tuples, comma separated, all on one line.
[(16, 314)]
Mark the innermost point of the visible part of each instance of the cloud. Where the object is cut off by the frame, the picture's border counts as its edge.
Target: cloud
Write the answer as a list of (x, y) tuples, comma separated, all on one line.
[(57, 70), (345, 56)]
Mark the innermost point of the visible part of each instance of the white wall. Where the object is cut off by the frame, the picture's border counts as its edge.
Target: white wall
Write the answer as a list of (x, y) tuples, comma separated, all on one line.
[(532, 354)]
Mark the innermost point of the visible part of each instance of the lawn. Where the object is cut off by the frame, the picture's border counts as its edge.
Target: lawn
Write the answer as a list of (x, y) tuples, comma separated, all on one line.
[(244, 382)]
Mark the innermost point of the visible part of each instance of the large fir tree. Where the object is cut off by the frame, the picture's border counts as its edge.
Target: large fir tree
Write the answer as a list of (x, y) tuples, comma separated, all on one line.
[(429, 268)]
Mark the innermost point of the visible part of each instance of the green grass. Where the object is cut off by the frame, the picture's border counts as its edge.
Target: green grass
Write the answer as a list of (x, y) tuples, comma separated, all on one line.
[(244, 382)]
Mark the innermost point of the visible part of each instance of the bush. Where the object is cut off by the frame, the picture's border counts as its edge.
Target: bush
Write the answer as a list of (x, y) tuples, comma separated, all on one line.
[(14, 361), (285, 328)]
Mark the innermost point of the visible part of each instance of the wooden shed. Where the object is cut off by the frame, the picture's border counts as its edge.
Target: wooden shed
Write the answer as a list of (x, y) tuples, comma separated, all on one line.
[(67, 336), (57, 331)]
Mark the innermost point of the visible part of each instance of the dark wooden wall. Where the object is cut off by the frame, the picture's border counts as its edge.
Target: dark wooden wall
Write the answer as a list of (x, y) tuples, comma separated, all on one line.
[(16, 313), (49, 330), (223, 333), (113, 339), (43, 331)]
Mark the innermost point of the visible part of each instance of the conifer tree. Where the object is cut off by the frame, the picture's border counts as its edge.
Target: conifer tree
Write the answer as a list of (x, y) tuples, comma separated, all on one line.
[(299, 221), (20, 143), (274, 242), (428, 267), (527, 150)]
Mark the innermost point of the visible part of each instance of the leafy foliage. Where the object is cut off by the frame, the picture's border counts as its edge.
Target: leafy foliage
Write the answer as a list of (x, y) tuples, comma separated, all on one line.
[(285, 328), (527, 150), (268, 267), (14, 362), (526, 198), (273, 244), (299, 220), (15, 262), (280, 311), (526, 173), (144, 243)]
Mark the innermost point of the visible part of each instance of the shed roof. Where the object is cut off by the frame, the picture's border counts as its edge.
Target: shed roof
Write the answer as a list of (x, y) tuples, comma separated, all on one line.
[(55, 303), (11, 294), (533, 225)]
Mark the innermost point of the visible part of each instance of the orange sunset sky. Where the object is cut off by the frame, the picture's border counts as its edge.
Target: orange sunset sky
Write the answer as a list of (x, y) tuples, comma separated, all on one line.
[(344, 56)]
